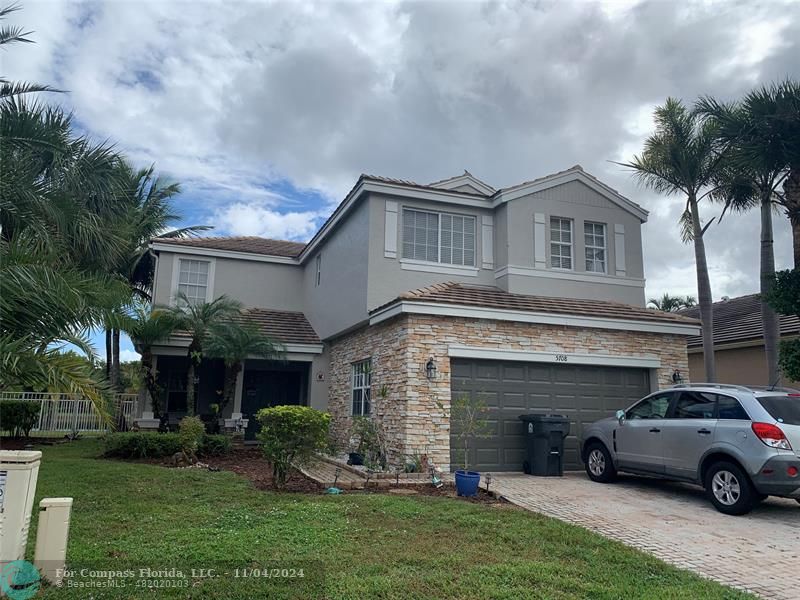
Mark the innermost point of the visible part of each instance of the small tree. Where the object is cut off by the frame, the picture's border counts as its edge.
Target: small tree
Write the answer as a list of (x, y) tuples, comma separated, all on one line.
[(669, 303), (785, 299), (290, 435), (191, 432), (468, 421)]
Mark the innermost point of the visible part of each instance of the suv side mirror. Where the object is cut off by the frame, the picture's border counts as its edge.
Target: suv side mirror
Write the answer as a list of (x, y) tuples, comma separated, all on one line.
[(620, 416)]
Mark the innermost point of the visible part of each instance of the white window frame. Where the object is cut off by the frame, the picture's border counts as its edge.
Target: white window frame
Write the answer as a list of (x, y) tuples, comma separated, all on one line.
[(361, 385), (569, 245), (587, 247), (176, 272), (438, 261), (318, 267)]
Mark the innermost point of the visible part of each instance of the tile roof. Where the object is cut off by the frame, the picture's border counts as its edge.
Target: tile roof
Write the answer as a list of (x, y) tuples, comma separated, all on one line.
[(493, 297), (288, 327), (739, 319), (251, 244), (414, 184)]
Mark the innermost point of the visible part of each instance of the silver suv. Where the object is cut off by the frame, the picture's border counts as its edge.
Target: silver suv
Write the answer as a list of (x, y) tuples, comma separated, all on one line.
[(741, 444)]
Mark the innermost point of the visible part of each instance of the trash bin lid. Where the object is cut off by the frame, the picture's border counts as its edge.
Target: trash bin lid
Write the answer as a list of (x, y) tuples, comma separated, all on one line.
[(543, 418)]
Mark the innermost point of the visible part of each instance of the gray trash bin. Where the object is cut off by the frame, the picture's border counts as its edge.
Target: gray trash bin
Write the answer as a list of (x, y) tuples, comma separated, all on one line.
[(544, 444)]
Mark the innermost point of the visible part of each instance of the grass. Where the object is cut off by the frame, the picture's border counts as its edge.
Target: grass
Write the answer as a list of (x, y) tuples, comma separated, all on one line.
[(350, 546)]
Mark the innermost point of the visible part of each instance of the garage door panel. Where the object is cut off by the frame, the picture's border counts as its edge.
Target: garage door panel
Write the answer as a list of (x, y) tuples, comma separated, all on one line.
[(582, 393)]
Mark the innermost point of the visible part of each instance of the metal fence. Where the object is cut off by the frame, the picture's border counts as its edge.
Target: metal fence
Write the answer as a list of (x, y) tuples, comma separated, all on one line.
[(67, 412)]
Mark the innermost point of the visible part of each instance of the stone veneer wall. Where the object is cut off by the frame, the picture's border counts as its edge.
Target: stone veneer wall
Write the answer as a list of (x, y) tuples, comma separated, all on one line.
[(415, 411)]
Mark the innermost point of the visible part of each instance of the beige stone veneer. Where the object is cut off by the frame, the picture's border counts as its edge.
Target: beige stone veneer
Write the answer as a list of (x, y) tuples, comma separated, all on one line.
[(414, 411)]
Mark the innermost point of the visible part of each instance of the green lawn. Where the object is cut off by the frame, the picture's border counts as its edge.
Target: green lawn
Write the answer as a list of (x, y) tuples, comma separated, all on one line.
[(349, 546)]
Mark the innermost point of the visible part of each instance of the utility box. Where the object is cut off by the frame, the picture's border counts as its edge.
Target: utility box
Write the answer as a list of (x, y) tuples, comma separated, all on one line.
[(51, 538), (544, 444), (19, 470)]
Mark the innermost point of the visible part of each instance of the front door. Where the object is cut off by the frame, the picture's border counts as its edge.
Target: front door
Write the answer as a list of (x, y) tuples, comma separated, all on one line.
[(688, 432), (639, 444), (263, 389)]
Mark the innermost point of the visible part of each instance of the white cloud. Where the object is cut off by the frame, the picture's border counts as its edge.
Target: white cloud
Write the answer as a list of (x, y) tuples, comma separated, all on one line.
[(251, 219), (129, 356)]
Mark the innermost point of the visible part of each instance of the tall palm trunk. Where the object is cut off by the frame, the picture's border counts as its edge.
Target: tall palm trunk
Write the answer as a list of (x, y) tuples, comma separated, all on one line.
[(791, 188), (109, 354), (151, 382), (768, 316), (703, 292), (229, 387), (191, 390), (115, 359)]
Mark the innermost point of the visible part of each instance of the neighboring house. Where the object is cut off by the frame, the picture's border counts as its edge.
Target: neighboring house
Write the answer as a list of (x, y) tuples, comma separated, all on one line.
[(531, 297), (738, 342)]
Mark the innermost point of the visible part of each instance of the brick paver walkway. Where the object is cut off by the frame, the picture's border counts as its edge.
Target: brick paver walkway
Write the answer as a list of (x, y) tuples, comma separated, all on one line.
[(759, 552)]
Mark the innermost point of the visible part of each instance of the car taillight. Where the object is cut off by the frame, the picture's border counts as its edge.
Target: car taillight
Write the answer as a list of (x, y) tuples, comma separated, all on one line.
[(771, 435)]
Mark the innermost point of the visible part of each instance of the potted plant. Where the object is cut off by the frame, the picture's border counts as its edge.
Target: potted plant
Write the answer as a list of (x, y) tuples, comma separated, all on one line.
[(468, 421)]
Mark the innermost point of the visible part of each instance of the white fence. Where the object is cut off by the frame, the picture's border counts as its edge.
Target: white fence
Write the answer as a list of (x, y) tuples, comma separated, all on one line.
[(66, 412)]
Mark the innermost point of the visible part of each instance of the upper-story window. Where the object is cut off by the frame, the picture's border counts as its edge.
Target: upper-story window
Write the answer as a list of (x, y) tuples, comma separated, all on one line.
[(594, 235), (193, 280), (318, 273), (439, 237), (560, 243)]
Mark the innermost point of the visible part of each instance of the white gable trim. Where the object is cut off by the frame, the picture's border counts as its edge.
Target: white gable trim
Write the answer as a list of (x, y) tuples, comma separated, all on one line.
[(206, 252), (559, 179), (477, 312), (465, 179)]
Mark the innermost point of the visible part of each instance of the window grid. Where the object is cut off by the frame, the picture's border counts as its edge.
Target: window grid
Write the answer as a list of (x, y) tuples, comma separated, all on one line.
[(594, 235), (560, 243), (193, 280), (439, 237), (361, 382)]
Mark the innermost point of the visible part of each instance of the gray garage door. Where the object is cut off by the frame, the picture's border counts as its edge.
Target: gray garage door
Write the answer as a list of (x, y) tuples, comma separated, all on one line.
[(582, 393)]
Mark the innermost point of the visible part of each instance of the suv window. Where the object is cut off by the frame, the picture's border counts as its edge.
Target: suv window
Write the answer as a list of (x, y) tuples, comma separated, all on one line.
[(654, 407), (784, 409), (729, 408), (694, 405)]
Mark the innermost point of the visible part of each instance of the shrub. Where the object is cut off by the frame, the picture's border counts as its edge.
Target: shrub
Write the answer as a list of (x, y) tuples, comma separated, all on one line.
[(215, 445), (191, 432), (151, 444), (18, 417), (290, 435), (142, 444), (371, 441)]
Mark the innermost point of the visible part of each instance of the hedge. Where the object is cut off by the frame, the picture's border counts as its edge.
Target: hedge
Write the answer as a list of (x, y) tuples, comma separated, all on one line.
[(18, 417), (150, 444)]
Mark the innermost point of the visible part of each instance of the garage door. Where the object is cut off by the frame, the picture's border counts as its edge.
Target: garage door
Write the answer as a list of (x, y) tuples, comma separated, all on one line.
[(580, 392)]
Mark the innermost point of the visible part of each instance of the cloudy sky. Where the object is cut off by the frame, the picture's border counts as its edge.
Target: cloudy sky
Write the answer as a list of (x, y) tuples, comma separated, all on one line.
[(267, 112)]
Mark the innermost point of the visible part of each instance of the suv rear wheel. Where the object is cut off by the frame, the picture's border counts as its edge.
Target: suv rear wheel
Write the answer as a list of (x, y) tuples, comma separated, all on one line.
[(729, 488), (599, 466)]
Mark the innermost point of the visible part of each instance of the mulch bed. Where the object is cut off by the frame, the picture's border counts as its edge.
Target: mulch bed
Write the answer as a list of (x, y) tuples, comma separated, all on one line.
[(9, 443), (250, 463)]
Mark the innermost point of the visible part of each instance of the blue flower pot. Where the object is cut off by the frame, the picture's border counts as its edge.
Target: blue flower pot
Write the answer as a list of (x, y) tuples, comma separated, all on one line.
[(467, 483)]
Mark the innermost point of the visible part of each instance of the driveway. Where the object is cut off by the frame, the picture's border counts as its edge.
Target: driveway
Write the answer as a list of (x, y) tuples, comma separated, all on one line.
[(759, 552)]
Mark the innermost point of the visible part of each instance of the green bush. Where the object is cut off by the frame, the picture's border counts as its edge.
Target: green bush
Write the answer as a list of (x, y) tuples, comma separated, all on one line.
[(215, 445), (142, 444), (290, 435), (151, 444), (191, 431), (18, 417)]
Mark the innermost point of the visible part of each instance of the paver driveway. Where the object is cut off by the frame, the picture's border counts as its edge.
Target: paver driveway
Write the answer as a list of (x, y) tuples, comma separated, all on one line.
[(759, 552)]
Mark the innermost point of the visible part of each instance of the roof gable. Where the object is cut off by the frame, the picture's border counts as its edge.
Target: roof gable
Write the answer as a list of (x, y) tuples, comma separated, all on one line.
[(575, 173), (464, 183)]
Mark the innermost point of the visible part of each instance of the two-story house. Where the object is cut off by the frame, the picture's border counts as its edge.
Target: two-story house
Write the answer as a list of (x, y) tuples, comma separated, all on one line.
[(531, 297)]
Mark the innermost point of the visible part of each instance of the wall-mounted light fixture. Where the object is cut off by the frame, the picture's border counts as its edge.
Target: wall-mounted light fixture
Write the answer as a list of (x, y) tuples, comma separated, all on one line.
[(430, 369), (676, 376)]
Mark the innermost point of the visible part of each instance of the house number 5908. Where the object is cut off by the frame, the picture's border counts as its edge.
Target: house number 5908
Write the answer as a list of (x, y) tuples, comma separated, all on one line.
[(561, 358)]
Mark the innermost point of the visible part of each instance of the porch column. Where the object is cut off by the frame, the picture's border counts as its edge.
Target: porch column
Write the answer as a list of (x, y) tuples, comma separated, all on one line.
[(237, 397), (147, 420)]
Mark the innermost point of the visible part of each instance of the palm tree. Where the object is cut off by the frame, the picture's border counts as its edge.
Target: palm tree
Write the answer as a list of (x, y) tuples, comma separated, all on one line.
[(149, 326), (754, 167), (669, 303), (146, 200), (196, 320), (680, 158), (234, 342), (12, 34)]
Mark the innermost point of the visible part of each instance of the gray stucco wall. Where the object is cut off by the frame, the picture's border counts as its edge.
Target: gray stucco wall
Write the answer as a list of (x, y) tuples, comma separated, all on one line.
[(340, 300), (254, 284), (578, 202), (387, 277)]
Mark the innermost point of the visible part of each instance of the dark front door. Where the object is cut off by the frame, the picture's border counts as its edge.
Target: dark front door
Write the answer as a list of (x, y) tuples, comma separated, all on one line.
[(583, 393), (263, 389)]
